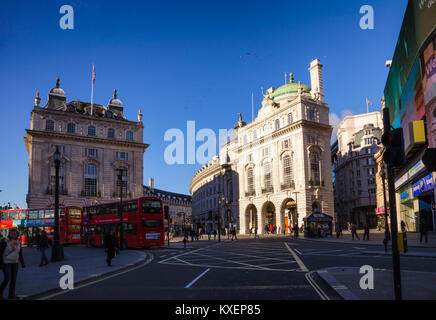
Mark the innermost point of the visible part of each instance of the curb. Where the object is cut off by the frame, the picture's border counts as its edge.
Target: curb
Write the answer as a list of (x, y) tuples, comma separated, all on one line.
[(147, 259), (336, 286), (370, 244)]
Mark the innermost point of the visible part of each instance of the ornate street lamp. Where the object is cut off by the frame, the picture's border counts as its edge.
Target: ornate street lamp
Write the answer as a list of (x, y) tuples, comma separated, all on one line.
[(57, 252), (121, 179)]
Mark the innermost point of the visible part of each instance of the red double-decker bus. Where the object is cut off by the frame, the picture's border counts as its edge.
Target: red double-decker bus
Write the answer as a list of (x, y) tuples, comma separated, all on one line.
[(31, 222), (142, 222)]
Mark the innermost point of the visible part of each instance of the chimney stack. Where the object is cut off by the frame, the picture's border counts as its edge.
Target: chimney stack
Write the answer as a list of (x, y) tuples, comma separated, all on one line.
[(151, 183), (316, 79)]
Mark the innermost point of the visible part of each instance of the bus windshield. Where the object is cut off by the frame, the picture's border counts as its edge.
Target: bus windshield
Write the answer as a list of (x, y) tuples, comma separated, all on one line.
[(151, 206)]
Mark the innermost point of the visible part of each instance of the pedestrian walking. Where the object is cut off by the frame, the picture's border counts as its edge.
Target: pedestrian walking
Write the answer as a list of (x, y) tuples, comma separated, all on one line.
[(214, 234), (340, 230), (42, 246), (10, 253), (37, 238), (337, 230), (423, 232), (354, 232), (296, 230), (234, 233), (109, 245), (403, 226), (255, 233), (366, 232)]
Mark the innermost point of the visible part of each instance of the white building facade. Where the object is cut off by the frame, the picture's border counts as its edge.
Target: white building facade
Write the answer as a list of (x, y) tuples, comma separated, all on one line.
[(280, 163)]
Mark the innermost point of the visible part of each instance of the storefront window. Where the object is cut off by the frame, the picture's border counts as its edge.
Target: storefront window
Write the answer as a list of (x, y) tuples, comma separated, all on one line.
[(407, 208)]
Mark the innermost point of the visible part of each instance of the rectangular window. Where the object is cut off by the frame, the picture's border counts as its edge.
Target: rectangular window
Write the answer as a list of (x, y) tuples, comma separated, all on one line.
[(122, 156), (91, 131), (93, 153)]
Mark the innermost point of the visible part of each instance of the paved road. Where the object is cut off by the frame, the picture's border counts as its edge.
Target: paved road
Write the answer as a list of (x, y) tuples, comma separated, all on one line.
[(275, 268)]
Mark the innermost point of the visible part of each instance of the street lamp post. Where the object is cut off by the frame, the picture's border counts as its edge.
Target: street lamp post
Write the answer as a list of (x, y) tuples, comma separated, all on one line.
[(387, 234), (120, 173), (219, 216), (57, 252), (296, 206)]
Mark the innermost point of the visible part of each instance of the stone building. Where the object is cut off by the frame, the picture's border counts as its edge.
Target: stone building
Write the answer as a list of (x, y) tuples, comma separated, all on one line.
[(179, 206), (94, 141), (359, 138), (279, 164)]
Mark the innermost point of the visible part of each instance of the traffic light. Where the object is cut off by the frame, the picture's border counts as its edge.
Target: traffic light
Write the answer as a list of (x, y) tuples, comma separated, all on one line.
[(429, 159), (394, 147)]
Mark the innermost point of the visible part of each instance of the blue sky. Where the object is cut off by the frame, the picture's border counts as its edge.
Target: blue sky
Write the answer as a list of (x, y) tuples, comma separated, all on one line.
[(183, 60)]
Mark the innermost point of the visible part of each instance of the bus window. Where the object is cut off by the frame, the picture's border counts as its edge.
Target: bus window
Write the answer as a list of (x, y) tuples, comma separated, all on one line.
[(131, 206), (23, 215), (14, 215), (49, 214), (33, 214), (5, 215), (152, 223), (74, 213), (41, 214), (151, 206)]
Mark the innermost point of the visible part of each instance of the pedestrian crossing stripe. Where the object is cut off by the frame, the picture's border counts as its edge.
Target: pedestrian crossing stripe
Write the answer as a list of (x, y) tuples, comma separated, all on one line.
[(340, 287)]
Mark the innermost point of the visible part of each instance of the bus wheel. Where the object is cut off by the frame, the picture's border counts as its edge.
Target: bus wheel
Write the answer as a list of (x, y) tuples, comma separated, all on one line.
[(92, 243), (124, 244)]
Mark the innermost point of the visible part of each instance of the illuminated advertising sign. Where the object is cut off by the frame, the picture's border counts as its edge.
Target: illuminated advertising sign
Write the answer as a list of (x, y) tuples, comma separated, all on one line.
[(423, 185)]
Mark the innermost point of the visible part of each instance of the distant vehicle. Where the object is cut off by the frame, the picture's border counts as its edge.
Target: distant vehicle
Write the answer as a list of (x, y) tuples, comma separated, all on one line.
[(30, 222), (143, 222)]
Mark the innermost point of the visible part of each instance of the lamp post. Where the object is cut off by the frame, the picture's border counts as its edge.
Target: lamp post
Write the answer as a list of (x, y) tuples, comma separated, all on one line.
[(121, 179), (387, 234), (57, 252), (296, 206), (219, 216)]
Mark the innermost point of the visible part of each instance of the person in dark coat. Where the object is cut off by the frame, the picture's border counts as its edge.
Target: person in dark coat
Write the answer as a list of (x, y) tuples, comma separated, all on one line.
[(42, 246), (234, 233), (109, 245), (423, 232), (296, 230), (10, 254), (366, 232), (354, 231)]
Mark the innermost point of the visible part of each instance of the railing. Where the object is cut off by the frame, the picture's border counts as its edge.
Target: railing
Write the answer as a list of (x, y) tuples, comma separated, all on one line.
[(268, 189), (289, 185), (90, 194), (250, 193), (51, 191)]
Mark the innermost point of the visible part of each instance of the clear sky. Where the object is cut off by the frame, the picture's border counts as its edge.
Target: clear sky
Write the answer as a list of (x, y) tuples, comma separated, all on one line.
[(183, 60)]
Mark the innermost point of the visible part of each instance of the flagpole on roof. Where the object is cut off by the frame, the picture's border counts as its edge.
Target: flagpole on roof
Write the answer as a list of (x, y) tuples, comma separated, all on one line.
[(92, 88)]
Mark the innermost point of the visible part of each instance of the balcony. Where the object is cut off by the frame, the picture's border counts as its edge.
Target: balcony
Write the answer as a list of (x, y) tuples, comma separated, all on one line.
[(289, 185), (250, 193), (269, 189), (62, 191), (316, 183)]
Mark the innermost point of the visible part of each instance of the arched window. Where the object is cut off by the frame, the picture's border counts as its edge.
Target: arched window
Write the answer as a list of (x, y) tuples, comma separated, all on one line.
[(90, 180), (110, 133), (91, 131), (129, 135), (49, 125), (250, 181), (290, 119), (287, 171), (277, 124), (314, 168), (71, 128), (311, 115), (267, 176)]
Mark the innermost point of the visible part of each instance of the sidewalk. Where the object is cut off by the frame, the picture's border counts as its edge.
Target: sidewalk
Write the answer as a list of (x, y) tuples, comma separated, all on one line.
[(376, 238), (345, 281), (87, 263)]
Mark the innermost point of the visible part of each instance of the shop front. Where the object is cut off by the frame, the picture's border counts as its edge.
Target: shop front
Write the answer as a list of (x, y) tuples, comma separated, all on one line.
[(318, 225)]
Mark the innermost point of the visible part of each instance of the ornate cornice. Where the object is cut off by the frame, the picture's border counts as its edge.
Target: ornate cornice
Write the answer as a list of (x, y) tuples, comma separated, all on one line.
[(87, 139)]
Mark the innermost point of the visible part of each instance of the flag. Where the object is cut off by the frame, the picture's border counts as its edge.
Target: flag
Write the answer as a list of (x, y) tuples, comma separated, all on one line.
[(93, 74), (367, 101)]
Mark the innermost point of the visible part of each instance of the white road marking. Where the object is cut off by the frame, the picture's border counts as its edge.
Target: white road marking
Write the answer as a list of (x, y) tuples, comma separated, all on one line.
[(300, 263), (99, 280), (316, 287), (193, 281), (298, 252)]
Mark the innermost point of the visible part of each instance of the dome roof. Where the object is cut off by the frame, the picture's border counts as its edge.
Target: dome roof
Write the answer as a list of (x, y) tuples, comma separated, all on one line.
[(290, 88), (57, 91), (114, 101)]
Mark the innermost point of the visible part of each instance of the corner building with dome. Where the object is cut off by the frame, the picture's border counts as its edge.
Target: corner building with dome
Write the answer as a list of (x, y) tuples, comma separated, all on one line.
[(281, 161), (94, 142)]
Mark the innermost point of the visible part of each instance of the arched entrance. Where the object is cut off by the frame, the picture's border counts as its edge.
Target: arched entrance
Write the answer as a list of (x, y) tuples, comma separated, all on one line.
[(250, 218), (288, 213), (268, 215)]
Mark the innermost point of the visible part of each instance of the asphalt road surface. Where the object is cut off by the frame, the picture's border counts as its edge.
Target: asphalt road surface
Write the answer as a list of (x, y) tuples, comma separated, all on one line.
[(272, 268)]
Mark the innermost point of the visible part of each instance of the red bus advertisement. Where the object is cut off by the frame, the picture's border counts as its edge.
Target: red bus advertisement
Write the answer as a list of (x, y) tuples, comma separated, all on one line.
[(31, 222), (142, 222)]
